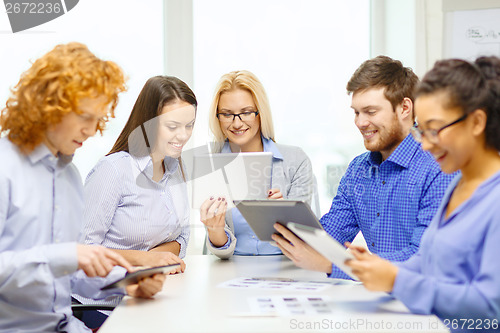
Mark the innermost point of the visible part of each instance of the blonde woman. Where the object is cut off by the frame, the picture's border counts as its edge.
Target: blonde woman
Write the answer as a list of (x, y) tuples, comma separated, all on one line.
[(241, 121)]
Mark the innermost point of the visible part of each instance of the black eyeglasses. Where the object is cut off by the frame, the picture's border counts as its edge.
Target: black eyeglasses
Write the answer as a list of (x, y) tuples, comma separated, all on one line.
[(244, 116), (432, 134)]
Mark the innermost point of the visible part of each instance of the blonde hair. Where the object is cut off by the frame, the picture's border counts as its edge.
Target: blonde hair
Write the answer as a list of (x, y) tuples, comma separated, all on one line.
[(53, 87), (244, 80)]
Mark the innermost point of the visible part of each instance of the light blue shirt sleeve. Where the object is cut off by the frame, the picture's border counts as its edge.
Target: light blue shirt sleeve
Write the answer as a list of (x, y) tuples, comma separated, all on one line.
[(456, 273), (41, 204), (91, 287)]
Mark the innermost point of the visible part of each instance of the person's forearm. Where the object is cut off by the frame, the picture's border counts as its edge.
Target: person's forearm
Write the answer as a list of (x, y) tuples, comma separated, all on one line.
[(217, 237), (134, 257), (173, 247)]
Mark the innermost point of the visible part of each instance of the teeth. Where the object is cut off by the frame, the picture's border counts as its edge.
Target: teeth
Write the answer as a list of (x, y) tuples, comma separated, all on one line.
[(238, 132), (437, 157), (176, 145), (368, 133)]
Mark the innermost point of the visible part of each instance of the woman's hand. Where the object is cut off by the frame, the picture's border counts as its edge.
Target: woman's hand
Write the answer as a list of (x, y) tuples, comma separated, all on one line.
[(213, 216), (274, 193), (377, 274), (158, 258), (147, 287)]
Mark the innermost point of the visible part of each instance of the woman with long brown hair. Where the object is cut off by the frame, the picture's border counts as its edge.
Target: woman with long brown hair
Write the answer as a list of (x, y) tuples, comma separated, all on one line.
[(136, 197)]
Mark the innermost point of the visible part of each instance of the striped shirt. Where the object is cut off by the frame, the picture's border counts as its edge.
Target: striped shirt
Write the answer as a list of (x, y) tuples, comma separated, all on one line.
[(126, 209), (392, 202)]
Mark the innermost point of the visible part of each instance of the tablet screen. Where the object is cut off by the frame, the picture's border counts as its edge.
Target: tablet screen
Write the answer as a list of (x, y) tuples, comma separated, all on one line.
[(235, 176), (261, 215)]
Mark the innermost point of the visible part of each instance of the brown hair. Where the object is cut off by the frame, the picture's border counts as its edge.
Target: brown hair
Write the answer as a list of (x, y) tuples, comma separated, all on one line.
[(156, 93), (53, 87), (384, 72), (141, 130)]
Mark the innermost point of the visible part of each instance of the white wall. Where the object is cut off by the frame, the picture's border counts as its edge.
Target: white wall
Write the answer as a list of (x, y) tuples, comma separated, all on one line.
[(129, 32)]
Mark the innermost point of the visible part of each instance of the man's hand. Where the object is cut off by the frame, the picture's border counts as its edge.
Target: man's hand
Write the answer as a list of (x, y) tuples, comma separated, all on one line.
[(299, 252), (147, 287), (96, 260)]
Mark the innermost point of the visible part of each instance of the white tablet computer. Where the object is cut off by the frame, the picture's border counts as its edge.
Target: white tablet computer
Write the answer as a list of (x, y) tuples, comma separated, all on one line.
[(261, 215), (322, 242), (235, 176), (134, 277)]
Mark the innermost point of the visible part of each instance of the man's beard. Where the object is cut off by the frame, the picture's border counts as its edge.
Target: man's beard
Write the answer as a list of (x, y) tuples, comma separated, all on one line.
[(388, 140)]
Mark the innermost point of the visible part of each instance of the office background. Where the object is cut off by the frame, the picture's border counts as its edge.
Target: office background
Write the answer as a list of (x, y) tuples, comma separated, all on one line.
[(303, 52)]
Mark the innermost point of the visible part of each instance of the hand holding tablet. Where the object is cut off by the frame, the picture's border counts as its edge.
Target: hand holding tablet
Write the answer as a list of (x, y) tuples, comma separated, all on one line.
[(135, 277), (322, 242)]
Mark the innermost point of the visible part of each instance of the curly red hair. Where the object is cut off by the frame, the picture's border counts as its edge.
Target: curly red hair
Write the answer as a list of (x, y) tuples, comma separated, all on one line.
[(53, 87)]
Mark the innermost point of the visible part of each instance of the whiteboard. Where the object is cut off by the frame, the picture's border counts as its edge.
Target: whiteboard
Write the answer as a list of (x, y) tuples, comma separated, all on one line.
[(472, 33)]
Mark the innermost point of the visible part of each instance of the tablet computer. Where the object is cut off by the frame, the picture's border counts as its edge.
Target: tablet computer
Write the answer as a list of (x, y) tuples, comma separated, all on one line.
[(235, 176), (261, 215), (135, 277), (322, 242)]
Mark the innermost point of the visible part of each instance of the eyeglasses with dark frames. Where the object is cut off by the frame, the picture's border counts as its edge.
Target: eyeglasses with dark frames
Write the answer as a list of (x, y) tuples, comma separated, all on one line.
[(244, 116), (432, 134)]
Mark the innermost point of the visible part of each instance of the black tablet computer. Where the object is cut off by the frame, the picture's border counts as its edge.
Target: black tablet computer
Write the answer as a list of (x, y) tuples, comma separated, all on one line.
[(134, 277), (261, 215)]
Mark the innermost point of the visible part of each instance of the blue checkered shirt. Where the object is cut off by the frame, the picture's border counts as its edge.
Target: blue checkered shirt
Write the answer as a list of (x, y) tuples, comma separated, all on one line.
[(392, 202)]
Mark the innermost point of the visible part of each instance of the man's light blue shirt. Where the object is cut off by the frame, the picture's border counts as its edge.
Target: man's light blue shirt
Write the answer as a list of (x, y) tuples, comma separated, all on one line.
[(456, 272), (41, 205), (392, 202)]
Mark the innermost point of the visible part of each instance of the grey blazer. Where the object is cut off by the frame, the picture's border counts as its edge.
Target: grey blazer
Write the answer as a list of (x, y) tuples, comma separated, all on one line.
[(292, 175)]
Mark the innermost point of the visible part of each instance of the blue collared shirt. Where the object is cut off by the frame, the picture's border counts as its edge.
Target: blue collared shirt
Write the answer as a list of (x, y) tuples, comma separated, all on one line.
[(392, 202), (41, 204), (456, 272)]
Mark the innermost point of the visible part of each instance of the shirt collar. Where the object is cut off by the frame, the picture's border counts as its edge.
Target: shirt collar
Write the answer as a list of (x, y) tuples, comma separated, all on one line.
[(145, 164), (268, 146), (43, 154), (401, 156)]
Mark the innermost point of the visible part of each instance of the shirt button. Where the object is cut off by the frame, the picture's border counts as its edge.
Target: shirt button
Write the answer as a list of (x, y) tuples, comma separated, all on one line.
[(383, 182), (373, 244), (378, 214)]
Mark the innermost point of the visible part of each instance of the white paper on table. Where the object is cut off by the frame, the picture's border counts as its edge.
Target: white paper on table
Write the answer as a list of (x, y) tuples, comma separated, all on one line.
[(291, 305), (275, 284)]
